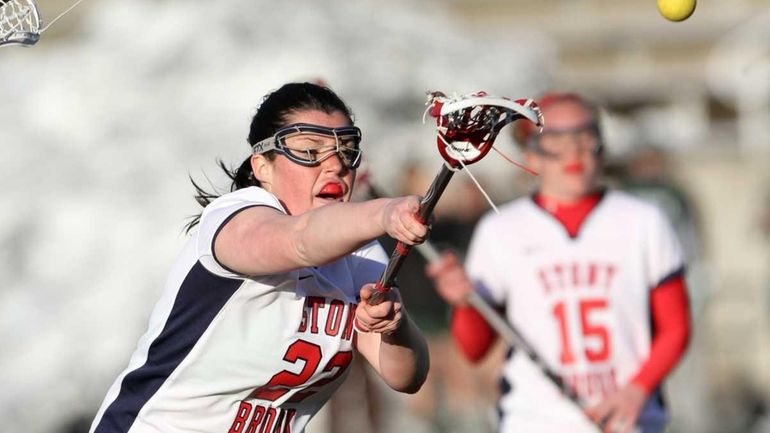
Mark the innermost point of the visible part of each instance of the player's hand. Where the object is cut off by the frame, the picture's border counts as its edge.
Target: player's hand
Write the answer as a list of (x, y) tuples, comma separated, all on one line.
[(618, 412), (450, 279), (383, 318), (399, 220)]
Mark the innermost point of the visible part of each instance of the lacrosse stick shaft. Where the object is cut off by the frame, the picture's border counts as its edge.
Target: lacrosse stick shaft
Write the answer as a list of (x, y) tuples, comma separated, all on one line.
[(505, 330), (399, 254)]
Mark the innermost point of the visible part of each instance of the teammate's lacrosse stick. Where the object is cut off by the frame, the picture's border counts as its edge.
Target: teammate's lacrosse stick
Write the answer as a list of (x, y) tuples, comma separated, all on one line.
[(509, 334), (466, 128), (20, 22), (504, 329)]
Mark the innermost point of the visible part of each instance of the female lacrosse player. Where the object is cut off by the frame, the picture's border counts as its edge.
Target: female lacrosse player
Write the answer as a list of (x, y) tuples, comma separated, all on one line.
[(592, 279), (268, 299)]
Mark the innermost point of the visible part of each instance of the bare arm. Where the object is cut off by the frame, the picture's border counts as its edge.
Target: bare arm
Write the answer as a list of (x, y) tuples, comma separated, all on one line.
[(391, 342), (260, 240)]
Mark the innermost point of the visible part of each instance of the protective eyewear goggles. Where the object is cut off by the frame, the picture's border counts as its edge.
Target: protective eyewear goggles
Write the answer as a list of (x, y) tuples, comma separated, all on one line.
[(308, 144), (554, 142)]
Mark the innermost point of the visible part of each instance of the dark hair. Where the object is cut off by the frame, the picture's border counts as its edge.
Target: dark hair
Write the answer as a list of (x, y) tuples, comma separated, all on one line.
[(271, 115)]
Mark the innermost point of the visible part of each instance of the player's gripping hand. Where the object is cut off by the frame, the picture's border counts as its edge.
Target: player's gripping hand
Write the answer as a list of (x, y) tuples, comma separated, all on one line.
[(383, 318), (450, 279), (399, 220), (618, 412)]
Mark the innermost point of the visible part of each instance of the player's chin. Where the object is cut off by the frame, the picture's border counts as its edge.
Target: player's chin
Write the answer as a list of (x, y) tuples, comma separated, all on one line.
[(578, 185), (319, 201)]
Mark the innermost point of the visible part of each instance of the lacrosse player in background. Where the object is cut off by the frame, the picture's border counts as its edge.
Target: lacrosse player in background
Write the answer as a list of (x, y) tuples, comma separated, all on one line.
[(267, 301), (592, 278)]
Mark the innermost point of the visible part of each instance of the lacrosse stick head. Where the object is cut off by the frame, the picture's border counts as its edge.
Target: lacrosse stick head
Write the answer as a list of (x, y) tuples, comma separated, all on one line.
[(19, 22), (467, 125)]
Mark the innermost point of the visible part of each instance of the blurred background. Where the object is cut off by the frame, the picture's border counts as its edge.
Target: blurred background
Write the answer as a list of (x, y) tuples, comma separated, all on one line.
[(104, 120)]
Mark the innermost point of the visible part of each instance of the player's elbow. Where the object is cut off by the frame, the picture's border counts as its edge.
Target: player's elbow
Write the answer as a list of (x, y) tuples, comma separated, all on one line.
[(418, 374), (410, 388), (410, 384)]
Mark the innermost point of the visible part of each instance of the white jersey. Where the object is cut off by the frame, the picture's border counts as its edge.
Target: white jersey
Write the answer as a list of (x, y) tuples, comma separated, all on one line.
[(228, 353), (582, 302)]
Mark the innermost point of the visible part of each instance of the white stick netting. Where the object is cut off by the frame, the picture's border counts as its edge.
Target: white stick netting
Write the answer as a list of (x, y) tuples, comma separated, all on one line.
[(19, 22)]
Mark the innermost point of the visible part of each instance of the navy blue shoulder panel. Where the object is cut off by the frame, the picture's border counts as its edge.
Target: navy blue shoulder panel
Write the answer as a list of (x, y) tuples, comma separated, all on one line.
[(200, 298)]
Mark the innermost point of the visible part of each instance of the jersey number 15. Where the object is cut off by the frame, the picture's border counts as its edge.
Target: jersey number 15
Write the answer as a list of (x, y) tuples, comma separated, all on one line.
[(589, 330)]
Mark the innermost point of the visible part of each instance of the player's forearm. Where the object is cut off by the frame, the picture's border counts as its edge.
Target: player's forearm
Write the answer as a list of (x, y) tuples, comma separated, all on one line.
[(332, 231), (403, 358), (260, 240)]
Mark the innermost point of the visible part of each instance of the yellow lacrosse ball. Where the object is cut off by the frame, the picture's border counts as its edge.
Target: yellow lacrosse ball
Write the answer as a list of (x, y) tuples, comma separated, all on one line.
[(676, 10)]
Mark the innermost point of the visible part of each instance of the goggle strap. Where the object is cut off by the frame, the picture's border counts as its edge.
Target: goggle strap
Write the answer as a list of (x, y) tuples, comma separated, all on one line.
[(266, 145)]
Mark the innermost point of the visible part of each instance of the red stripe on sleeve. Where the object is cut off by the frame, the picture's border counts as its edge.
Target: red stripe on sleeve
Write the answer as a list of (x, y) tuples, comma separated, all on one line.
[(471, 333), (671, 332)]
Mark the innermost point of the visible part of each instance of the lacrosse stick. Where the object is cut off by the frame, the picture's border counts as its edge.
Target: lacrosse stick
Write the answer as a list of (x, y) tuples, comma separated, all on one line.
[(466, 128), (20, 22)]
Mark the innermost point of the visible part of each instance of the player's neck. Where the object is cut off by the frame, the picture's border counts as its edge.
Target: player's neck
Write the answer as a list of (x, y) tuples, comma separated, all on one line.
[(551, 200)]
